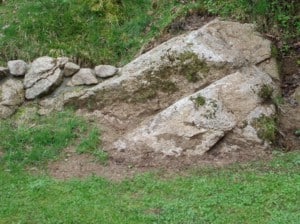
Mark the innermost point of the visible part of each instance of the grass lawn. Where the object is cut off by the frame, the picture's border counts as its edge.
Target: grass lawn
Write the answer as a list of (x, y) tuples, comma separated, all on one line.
[(254, 193), (94, 33), (261, 192)]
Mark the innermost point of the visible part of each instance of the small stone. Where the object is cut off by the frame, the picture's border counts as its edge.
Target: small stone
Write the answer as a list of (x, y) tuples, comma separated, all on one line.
[(38, 70), (12, 92), (70, 69), (62, 61), (11, 96), (44, 85), (5, 111), (17, 67), (84, 76), (105, 71)]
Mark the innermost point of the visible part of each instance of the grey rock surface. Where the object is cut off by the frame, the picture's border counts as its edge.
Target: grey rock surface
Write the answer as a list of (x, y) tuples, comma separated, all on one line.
[(17, 67), (11, 96), (84, 76), (40, 68), (220, 45), (45, 85), (194, 124), (62, 61), (43, 76), (193, 93), (70, 69), (105, 71)]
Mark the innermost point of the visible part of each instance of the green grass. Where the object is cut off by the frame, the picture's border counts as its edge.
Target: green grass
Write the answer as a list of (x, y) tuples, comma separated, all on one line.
[(94, 32), (267, 128), (42, 138), (79, 29), (91, 33), (253, 193), (90, 144), (260, 192)]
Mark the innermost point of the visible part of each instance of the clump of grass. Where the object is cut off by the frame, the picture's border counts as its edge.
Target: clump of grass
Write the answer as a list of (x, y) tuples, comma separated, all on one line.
[(266, 92), (90, 144), (267, 128), (198, 100), (278, 100)]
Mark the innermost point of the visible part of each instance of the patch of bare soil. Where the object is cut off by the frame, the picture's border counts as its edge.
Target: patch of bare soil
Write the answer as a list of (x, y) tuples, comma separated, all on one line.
[(126, 165), (74, 165), (290, 112)]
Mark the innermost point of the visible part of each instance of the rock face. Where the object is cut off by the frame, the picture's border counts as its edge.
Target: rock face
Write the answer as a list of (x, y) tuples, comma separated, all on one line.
[(17, 67), (42, 77), (11, 96), (194, 124), (201, 56), (105, 71), (193, 93), (84, 76)]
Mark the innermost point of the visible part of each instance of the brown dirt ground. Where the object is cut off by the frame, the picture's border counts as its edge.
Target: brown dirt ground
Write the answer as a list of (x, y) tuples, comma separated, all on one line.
[(124, 165), (289, 120), (116, 119)]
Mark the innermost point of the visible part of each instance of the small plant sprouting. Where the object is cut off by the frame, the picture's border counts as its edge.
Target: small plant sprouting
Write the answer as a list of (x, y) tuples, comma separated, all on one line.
[(198, 101), (266, 128), (297, 132), (266, 92), (278, 100)]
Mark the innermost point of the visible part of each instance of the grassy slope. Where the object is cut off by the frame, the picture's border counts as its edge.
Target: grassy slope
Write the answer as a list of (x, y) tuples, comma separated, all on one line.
[(74, 28), (69, 28)]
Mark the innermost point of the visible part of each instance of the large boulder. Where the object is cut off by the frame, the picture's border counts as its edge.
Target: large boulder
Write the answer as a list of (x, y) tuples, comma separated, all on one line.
[(189, 61), (44, 75), (176, 68), (11, 96), (194, 124)]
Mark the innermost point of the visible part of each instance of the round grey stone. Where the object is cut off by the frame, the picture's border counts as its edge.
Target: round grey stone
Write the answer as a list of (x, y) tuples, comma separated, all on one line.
[(105, 71), (17, 67)]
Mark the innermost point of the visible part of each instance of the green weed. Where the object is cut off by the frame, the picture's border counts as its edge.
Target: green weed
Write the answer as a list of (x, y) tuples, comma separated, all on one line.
[(267, 128), (266, 92), (199, 101)]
